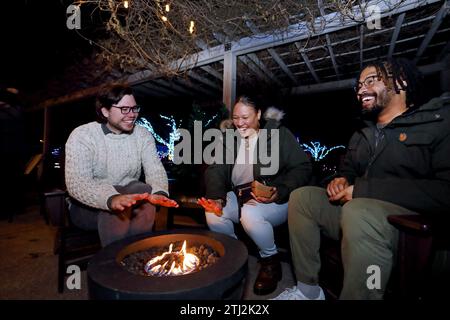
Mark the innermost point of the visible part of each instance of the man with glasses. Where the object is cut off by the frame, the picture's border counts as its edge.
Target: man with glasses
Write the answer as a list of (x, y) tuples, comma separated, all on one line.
[(104, 162), (396, 164)]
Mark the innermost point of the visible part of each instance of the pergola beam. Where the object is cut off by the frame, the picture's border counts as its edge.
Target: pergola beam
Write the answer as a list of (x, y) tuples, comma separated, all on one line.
[(322, 25), (212, 72), (148, 87), (308, 63), (373, 59), (273, 54), (330, 23), (329, 45), (204, 80), (368, 35), (257, 66), (185, 83), (229, 80), (434, 27), (173, 86), (282, 65), (398, 25), (254, 58), (349, 83), (246, 60), (371, 48)]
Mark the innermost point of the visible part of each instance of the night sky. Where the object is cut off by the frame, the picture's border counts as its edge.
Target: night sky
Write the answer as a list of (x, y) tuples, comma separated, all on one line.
[(36, 43)]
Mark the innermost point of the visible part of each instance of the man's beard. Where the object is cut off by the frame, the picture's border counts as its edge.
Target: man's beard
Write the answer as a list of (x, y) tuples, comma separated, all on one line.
[(381, 101)]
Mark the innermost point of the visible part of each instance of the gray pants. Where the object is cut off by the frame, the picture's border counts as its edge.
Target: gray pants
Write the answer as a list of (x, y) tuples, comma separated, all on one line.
[(112, 227), (367, 239)]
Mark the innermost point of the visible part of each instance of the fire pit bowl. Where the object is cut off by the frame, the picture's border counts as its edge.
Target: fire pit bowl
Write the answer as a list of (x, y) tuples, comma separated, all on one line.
[(109, 279)]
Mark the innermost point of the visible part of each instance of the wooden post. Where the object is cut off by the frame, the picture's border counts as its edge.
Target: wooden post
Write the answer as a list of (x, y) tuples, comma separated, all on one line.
[(45, 138), (45, 144), (229, 79)]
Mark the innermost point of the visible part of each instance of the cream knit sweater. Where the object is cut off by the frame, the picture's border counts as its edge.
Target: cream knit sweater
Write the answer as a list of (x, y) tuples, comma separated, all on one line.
[(95, 162)]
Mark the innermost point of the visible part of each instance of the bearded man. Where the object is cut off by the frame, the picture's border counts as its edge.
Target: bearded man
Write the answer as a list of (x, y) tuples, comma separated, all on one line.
[(396, 164)]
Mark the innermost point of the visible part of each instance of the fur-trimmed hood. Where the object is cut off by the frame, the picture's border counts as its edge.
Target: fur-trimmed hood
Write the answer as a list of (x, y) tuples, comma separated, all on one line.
[(273, 113)]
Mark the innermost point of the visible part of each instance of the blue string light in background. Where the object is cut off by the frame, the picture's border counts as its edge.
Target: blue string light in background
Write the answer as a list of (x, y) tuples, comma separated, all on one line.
[(318, 152), (174, 136)]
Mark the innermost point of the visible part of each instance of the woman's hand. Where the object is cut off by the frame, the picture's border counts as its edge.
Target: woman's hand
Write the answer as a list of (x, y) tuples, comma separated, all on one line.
[(209, 205), (273, 198)]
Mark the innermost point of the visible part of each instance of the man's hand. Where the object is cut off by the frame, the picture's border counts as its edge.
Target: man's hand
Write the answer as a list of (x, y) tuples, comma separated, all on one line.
[(273, 198), (121, 202), (336, 186), (343, 196), (209, 205), (163, 201)]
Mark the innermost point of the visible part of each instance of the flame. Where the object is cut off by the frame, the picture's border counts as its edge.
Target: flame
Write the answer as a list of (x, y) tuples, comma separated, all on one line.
[(189, 263)]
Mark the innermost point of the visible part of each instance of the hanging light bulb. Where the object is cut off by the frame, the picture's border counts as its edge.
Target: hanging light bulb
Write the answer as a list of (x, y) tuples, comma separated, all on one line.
[(125, 4), (191, 27), (167, 7)]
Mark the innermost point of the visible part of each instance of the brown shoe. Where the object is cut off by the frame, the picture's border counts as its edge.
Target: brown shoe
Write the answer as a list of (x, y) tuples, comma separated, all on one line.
[(268, 276)]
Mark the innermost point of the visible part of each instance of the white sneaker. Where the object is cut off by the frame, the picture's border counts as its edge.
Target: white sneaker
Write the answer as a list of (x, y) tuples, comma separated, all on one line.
[(295, 294)]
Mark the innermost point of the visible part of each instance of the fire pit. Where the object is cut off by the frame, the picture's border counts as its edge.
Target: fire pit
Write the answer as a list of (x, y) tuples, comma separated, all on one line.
[(169, 261), (183, 264)]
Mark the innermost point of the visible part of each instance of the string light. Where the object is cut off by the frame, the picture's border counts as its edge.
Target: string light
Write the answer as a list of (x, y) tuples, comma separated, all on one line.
[(191, 27), (167, 7), (164, 18), (210, 120), (125, 4), (317, 151), (173, 136)]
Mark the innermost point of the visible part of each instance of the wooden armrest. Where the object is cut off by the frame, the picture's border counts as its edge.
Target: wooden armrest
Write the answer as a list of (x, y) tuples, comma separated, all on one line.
[(55, 206), (415, 223), (55, 193), (187, 201)]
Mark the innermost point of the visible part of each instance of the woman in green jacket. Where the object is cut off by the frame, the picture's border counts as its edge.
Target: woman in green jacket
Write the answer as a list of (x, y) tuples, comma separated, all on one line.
[(252, 190)]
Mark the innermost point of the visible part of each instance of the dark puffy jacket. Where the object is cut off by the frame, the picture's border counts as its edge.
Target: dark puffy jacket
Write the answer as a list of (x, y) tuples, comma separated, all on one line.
[(411, 168), (294, 168)]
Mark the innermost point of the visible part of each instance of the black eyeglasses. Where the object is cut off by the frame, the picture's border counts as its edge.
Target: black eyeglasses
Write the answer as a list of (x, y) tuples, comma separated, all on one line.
[(368, 82), (126, 110)]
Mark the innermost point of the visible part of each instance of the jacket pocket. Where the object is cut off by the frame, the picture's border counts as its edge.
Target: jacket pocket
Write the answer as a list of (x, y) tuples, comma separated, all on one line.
[(415, 159), (416, 138)]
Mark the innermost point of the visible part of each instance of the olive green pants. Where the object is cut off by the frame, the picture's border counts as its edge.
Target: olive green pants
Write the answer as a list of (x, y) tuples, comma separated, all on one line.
[(368, 241)]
